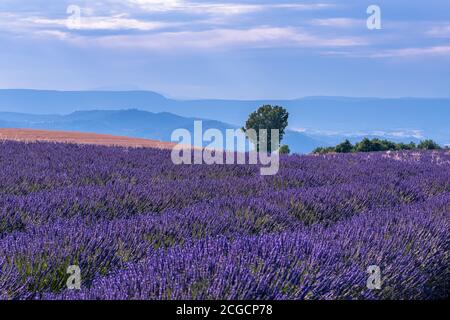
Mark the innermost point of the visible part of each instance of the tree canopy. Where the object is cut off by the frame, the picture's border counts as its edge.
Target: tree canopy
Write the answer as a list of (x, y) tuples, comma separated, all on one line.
[(267, 118)]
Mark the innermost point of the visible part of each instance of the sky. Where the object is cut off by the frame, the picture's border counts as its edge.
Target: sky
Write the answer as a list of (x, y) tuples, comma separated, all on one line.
[(241, 49)]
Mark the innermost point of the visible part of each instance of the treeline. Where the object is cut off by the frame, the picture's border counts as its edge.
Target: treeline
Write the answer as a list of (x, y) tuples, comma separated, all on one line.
[(372, 145)]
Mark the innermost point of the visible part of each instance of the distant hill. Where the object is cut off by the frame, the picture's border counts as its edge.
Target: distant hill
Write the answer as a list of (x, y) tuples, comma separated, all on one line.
[(402, 119), (133, 123), (63, 102)]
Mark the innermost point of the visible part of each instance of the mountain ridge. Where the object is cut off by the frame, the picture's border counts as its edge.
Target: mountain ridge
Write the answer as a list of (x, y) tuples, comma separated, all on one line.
[(135, 123), (399, 116)]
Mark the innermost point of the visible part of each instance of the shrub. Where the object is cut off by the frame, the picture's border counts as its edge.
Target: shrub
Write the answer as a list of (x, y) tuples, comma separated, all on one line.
[(284, 149), (428, 145)]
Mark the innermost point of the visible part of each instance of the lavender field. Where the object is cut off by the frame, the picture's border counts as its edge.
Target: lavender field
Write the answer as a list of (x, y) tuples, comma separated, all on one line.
[(140, 227)]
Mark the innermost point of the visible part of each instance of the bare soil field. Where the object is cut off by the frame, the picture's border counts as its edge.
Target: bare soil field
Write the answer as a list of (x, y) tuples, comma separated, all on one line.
[(31, 135)]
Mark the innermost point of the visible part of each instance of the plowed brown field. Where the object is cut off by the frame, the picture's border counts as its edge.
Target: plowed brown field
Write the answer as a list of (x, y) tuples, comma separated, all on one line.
[(30, 135)]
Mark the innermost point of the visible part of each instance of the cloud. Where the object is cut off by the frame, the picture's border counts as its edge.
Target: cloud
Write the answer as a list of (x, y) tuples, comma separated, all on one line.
[(392, 134), (147, 27), (115, 15), (418, 134), (117, 22), (169, 35), (440, 31), (60, 35), (338, 22), (402, 53), (399, 134), (217, 8), (437, 51), (256, 37), (175, 31)]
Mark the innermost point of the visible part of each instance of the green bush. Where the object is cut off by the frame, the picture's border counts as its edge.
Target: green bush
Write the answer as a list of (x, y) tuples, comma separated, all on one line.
[(367, 145), (344, 147), (428, 145), (284, 149)]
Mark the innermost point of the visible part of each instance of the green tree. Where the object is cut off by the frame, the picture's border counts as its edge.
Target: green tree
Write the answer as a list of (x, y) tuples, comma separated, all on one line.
[(324, 150), (285, 149), (404, 146), (364, 146), (377, 145), (267, 118), (318, 150), (344, 147), (388, 145), (429, 145)]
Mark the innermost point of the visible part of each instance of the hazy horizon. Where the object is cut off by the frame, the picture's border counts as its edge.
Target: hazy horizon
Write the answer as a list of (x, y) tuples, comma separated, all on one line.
[(174, 97)]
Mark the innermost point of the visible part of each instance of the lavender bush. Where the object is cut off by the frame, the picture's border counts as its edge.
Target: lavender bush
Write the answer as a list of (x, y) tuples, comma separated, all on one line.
[(140, 227)]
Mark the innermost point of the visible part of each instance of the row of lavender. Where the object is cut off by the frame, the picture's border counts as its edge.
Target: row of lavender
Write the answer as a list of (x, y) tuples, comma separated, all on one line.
[(140, 227)]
